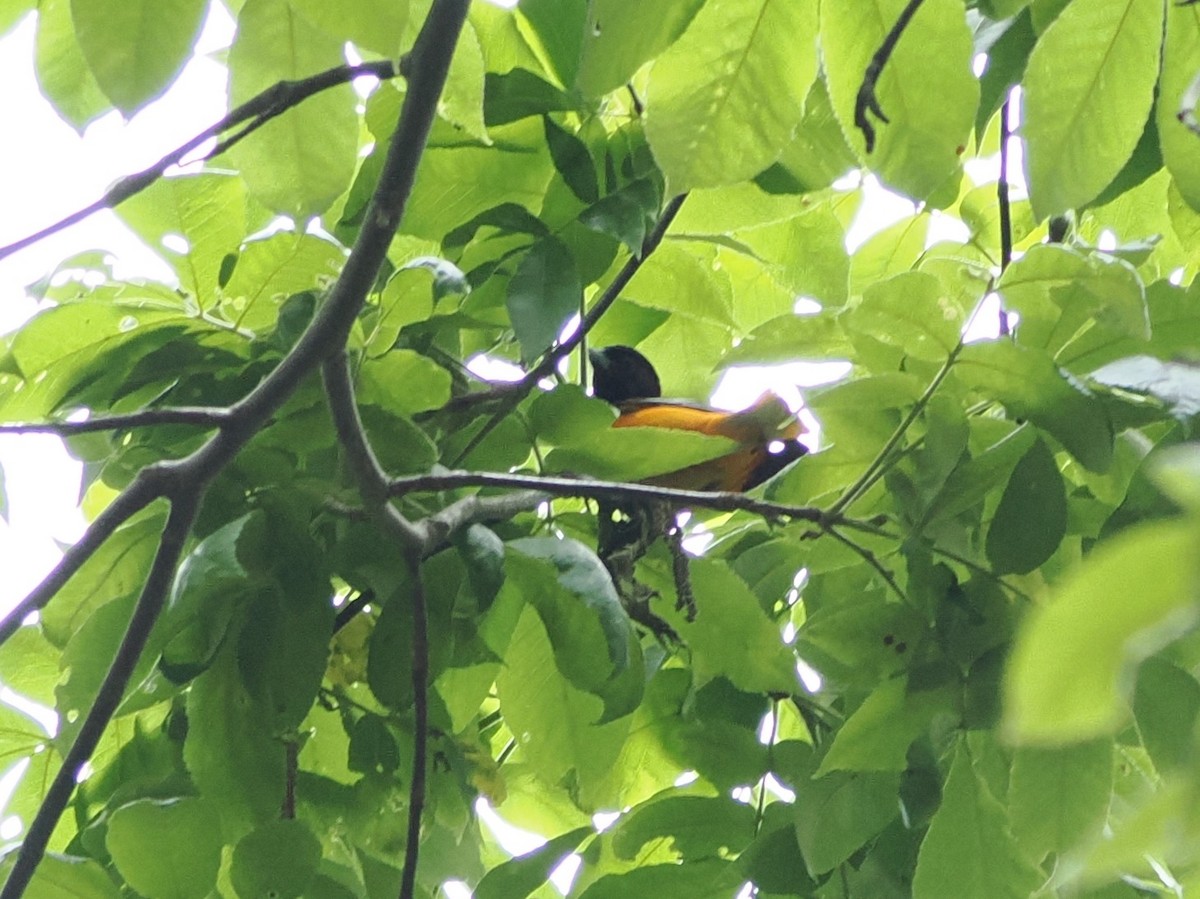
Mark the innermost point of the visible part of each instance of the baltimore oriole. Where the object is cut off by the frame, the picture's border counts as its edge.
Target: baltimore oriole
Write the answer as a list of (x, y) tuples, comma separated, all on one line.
[(625, 378)]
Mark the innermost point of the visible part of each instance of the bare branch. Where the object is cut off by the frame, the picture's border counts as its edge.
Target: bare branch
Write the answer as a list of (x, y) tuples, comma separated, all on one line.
[(475, 509), (368, 473), (256, 111), (867, 104), (145, 613), (616, 491), (200, 416)]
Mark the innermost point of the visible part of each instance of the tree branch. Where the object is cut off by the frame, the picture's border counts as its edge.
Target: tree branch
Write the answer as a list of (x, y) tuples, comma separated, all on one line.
[(108, 697), (420, 764), (616, 491), (867, 104), (256, 111), (200, 416)]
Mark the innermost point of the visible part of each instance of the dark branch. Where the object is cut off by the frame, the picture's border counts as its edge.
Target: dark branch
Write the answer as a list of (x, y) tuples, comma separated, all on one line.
[(420, 679), (608, 490), (112, 689), (867, 103), (200, 417), (256, 112)]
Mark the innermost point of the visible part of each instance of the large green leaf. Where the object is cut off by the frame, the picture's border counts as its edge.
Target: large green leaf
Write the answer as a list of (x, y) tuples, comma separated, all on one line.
[(277, 860), (286, 165), (555, 719), (969, 851), (837, 813), (1029, 386), (62, 73), (168, 848), (207, 210), (1083, 120), (543, 293), (520, 876), (1032, 516), (724, 99), (910, 311), (620, 35), (1133, 594), (1059, 795), (374, 24), (929, 98), (135, 48), (1180, 62)]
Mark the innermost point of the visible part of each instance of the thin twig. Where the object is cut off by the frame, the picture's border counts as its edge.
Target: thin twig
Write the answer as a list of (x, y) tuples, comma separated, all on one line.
[(204, 417), (257, 111), (1006, 241), (513, 392), (871, 559), (866, 101), (108, 697), (876, 467), (420, 679)]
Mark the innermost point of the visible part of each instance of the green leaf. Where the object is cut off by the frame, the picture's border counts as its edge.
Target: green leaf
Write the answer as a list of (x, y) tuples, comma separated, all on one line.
[(136, 48), (627, 214), (877, 735), (1057, 289), (620, 35), (573, 161), (695, 827), (1060, 795), (1030, 386), (731, 636), (232, 753), (67, 877), (818, 153), (404, 382), (724, 100), (520, 876), (969, 851), (287, 167), (837, 813), (1131, 595), (1006, 59), (909, 311), (1180, 62), (791, 337), (373, 24), (543, 293), (117, 569), (208, 210), (518, 94), (209, 582), (558, 25), (584, 619), (707, 879), (1031, 519), (272, 269), (463, 97), (556, 720), (929, 98), (62, 73), (168, 848), (1166, 704), (678, 279), (1083, 120), (276, 861)]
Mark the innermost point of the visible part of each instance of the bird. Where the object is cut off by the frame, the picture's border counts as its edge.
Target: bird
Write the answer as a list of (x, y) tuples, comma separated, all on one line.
[(766, 433)]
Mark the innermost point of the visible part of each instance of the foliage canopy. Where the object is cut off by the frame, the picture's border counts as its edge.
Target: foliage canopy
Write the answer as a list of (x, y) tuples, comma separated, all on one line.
[(335, 587)]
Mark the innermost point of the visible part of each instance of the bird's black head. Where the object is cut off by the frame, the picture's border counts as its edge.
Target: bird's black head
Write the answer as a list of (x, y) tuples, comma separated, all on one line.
[(621, 373)]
